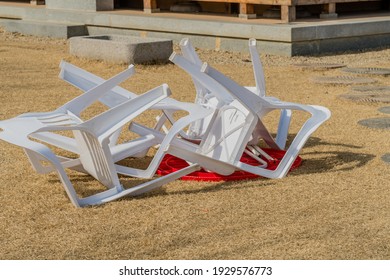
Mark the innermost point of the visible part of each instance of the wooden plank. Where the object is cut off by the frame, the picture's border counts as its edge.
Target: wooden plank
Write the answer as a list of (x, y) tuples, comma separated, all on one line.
[(288, 10), (316, 2), (286, 2), (329, 8), (288, 13), (150, 6), (328, 11), (246, 8), (247, 11), (256, 2)]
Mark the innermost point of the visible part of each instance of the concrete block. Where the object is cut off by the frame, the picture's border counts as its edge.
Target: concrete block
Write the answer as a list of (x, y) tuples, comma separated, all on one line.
[(151, 11), (37, 2), (328, 15), (44, 29), (122, 49), (247, 16)]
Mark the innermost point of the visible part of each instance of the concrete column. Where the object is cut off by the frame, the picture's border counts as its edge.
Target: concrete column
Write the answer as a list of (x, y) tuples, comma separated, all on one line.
[(288, 13), (247, 11)]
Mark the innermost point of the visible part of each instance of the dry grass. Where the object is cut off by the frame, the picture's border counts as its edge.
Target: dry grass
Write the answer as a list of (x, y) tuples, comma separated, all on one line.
[(336, 206)]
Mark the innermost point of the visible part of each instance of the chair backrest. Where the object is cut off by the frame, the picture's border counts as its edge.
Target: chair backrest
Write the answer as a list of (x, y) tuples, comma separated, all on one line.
[(85, 81), (203, 96), (96, 159), (229, 132), (93, 136)]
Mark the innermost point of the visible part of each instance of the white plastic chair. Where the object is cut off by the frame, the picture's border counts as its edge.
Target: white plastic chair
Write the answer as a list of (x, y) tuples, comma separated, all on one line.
[(215, 152), (206, 154), (205, 98), (260, 90), (91, 140), (224, 98), (256, 107), (85, 80)]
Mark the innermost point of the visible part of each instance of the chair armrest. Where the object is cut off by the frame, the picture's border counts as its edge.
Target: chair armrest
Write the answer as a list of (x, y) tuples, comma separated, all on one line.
[(85, 81), (110, 121), (78, 104), (222, 94)]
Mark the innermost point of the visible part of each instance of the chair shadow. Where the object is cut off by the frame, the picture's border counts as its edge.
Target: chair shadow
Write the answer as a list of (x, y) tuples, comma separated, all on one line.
[(313, 162), (331, 160), (316, 141)]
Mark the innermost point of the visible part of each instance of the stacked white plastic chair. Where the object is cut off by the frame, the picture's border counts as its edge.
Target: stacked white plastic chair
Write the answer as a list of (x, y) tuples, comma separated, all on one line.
[(92, 140), (224, 122), (205, 98), (251, 108)]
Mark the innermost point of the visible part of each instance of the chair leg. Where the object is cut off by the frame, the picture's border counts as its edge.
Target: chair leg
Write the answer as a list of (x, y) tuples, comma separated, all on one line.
[(138, 190), (38, 151), (284, 124)]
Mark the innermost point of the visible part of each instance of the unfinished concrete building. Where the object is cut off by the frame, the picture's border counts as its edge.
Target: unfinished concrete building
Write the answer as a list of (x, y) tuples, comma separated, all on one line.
[(286, 27)]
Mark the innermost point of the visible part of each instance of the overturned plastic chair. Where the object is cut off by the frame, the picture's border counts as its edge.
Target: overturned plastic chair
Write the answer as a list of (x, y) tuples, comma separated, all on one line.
[(197, 128), (222, 155), (205, 98), (205, 152), (91, 140), (231, 128), (85, 80), (252, 108)]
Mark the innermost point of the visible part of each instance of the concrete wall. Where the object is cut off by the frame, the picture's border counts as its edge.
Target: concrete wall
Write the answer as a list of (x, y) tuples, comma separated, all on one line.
[(84, 5)]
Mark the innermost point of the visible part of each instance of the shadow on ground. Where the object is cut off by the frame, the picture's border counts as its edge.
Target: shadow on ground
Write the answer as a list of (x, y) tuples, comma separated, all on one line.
[(331, 160)]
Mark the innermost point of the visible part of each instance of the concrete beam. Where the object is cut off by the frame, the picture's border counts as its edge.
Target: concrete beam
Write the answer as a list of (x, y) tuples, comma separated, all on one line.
[(81, 5), (44, 29)]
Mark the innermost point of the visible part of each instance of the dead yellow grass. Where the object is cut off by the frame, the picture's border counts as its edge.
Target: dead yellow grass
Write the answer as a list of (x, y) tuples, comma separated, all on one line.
[(336, 206)]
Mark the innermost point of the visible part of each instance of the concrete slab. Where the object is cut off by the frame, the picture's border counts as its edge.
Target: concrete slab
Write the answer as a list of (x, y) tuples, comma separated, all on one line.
[(370, 89), (368, 71), (367, 97), (384, 110), (386, 158), (378, 123), (338, 80), (122, 49), (318, 66)]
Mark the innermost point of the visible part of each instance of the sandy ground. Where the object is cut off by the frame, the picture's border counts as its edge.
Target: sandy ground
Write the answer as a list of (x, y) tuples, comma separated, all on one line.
[(335, 206)]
